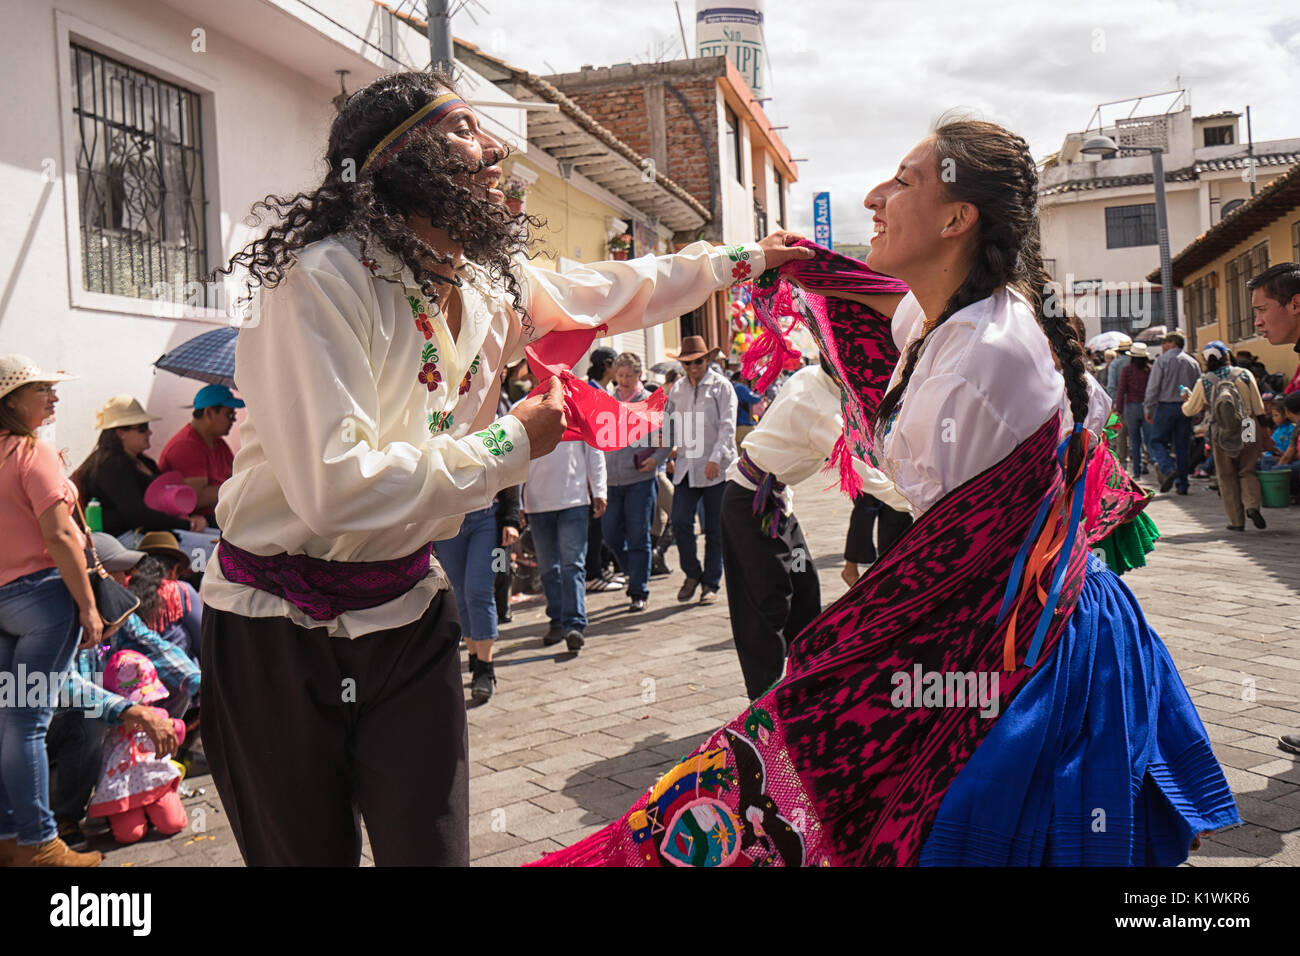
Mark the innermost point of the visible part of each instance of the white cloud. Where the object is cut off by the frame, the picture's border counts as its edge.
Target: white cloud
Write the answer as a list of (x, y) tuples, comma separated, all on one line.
[(873, 75)]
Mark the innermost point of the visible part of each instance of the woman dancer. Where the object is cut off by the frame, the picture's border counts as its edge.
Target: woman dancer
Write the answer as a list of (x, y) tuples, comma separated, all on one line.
[(988, 692)]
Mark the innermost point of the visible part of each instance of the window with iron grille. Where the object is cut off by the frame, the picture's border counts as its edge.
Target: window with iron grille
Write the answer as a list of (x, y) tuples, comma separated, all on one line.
[(1218, 135), (1131, 226), (1241, 320), (735, 166), (1130, 310), (140, 183), (1200, 301)]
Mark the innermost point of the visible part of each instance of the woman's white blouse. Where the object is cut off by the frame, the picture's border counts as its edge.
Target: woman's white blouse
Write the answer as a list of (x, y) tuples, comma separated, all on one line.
[(986, 381), (369, 430)]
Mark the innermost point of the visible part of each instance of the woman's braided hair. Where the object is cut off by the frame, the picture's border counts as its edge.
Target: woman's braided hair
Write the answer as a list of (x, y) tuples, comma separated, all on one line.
[(992, 168), (375, 203)]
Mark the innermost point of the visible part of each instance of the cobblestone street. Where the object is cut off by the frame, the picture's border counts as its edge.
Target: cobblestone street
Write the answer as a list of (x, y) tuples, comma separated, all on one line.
[(568, 743)]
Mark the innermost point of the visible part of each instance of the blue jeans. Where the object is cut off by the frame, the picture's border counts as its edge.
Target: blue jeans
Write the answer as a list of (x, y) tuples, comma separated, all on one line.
[(1171, 426), (685, 500), (39, 630), (1136, 423), (467, 559), (626, 529), (560, 539)]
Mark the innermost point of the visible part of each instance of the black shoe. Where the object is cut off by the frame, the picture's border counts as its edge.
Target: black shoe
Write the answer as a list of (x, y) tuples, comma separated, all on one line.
[(574, 640), (505, 618), (1236, 527), (553, 636), (485, 677), (1181, 491), (71, 834), (638, 604), (1288, 742), (688, 589), (1166, 481), (658, 565), (708, 595), (1254, 515)]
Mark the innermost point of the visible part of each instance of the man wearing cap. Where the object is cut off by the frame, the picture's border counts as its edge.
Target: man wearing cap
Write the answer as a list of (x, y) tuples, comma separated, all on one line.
[(199, 450), (701, 413), (392, 297), (1236, 445), (1163, 405)]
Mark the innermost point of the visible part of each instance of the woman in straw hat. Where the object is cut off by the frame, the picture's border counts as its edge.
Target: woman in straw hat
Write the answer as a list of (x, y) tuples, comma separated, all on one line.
[(119, 473), (45, 602)]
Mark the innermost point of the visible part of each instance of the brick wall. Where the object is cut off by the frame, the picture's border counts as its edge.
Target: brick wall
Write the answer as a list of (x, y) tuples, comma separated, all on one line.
[(621, 108)]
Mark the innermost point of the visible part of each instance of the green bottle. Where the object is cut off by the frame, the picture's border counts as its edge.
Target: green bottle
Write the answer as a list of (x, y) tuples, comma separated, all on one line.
[(94, 515)]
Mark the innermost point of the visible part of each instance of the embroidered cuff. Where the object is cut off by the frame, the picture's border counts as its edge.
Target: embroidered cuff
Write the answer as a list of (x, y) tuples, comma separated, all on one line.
[(504, 448), (741, 263)]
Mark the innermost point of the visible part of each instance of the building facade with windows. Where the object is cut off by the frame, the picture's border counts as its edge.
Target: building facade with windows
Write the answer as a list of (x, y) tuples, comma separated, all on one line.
[(1214, 268), (1099, 216), (147, 129)]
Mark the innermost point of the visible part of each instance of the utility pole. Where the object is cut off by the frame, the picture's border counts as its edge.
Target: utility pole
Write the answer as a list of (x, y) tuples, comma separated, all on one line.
[(1250, 152), (438, 14)]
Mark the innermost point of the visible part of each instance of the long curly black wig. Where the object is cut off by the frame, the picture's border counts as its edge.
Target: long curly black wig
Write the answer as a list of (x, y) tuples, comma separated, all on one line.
[(423, 180)]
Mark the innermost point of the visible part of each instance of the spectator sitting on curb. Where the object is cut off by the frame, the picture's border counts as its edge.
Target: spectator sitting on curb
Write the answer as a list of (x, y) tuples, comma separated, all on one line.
[(199, 450)]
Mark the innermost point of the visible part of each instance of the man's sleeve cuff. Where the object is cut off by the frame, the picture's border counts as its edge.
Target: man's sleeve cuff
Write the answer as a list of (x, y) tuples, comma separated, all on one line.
[(739, 263), (504, 448)]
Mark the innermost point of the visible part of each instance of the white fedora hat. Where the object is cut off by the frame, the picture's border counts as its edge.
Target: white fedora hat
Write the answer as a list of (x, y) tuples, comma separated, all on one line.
[(18, 370)]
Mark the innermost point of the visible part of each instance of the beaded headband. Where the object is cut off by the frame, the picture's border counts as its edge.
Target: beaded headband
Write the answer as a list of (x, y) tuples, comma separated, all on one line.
[(430, 112)]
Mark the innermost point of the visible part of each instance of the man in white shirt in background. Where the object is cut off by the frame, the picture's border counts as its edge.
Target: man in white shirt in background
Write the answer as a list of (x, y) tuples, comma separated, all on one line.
[(563, 490), (701, 412), (388, 309)]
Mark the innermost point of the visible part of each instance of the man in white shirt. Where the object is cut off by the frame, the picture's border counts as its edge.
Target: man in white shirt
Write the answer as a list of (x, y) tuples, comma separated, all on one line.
[(564, 489), (388, 309), (701, 411)]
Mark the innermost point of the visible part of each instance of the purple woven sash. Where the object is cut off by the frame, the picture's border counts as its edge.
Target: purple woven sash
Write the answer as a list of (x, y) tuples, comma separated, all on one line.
[(325, 589), (768, 506)]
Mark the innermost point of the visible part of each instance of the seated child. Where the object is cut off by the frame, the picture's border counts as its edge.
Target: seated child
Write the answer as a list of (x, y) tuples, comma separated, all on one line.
[(137, 786)]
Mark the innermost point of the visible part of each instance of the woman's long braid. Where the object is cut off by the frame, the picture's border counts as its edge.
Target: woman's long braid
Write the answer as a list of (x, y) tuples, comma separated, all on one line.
[(1035, 285)]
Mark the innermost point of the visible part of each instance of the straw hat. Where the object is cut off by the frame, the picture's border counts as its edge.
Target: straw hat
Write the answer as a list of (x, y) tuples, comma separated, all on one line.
[(1139, 350), (122, 411), (18, 370)]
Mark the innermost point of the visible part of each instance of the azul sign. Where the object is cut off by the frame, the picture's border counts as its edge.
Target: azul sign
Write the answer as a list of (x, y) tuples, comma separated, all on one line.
[(822, 219)]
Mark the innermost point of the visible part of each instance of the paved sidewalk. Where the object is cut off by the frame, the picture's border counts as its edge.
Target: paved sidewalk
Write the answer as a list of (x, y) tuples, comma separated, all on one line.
[(567, 744)]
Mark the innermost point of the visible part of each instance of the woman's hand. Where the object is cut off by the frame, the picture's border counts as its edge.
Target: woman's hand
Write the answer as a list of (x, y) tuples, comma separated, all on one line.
[(509, 535), (198, 523), (92, 628), (156, 726), (778, 249)]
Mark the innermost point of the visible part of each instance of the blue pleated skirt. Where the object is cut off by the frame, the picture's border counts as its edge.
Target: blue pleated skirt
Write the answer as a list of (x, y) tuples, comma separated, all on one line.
[(1101, 759)]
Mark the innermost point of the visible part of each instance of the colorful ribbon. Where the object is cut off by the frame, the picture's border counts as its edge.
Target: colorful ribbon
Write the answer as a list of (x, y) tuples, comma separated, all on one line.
[(430, 112)]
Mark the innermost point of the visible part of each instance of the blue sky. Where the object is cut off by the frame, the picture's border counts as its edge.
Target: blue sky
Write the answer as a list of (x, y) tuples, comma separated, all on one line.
[(860, 81)]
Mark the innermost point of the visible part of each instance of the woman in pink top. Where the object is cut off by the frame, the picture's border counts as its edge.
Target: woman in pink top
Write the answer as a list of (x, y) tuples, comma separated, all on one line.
[(45, 603)]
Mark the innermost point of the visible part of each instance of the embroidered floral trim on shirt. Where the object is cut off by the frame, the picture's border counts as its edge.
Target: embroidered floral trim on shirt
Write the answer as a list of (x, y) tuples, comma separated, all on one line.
[(439, 422), (422, 317), (741, 269), (429, 375), (495, 441), (473, 370)]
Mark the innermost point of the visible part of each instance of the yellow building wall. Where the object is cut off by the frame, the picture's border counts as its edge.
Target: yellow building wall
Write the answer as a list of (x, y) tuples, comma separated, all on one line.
[(575, 222), (1276, 358)]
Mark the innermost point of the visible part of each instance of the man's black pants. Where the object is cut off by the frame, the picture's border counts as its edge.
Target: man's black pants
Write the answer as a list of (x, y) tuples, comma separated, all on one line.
[(303, 731), (772, 588)]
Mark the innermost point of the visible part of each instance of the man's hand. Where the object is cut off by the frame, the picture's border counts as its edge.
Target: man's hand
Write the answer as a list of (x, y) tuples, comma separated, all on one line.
[(669, 466), (158, 727), (598, 507), (509, 535), (543, 419), (1151, 419), (648, 465), (198, 523), (850, 573), (777, 249), (711, 471)]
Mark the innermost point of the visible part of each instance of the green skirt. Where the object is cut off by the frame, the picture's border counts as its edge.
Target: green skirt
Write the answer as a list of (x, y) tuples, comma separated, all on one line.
[(1128, 545)]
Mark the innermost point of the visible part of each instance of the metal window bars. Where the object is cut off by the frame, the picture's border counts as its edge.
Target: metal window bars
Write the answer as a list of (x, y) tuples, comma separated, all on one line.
[(140, 182)]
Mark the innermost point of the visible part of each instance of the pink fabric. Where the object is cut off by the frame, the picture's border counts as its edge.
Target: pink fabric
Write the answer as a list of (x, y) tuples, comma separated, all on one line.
[(133, 773), (31, 481), (594, 416)]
